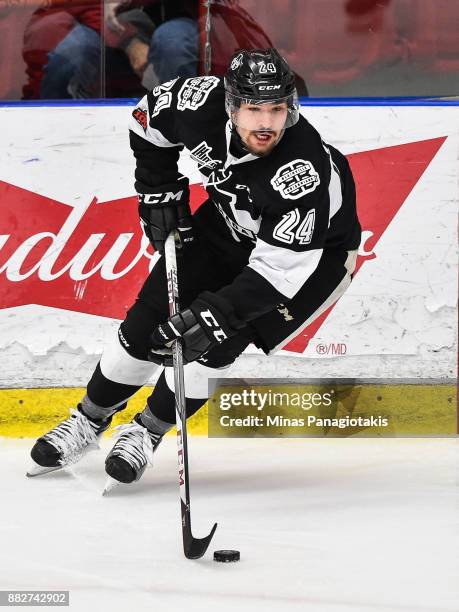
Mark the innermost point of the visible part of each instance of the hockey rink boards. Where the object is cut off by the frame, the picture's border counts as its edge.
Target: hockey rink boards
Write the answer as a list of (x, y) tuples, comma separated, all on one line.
[(72, 256)]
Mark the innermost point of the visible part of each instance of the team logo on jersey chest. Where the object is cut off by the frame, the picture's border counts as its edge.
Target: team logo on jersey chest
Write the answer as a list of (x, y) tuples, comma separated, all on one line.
[(295, 179), (194, 92), (235, 227)]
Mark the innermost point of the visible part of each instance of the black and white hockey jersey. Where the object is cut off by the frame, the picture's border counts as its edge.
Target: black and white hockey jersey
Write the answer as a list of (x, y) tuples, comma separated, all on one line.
[(279, 212)]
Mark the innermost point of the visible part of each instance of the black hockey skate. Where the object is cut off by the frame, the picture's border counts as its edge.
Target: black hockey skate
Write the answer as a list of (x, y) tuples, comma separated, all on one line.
[(131, 454), (67, 443)]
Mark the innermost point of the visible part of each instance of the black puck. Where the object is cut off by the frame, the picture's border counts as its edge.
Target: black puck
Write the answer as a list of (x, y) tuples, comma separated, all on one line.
[(227, 556)]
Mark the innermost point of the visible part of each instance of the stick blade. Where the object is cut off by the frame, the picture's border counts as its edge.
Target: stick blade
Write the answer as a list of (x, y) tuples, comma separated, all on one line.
[(195, 548)]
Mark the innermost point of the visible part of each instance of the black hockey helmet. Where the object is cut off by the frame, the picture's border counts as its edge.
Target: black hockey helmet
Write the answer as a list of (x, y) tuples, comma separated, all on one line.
[(259, 76)]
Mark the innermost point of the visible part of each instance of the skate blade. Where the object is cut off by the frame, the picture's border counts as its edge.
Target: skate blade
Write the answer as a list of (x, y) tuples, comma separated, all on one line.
[(39, 470), (110, 484)]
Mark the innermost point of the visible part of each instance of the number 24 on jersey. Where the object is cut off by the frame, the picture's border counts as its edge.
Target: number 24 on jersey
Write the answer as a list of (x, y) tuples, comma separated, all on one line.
[(289, 227)]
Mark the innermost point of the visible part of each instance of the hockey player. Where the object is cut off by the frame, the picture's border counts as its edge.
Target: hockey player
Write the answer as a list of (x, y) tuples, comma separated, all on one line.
[(273, 247)]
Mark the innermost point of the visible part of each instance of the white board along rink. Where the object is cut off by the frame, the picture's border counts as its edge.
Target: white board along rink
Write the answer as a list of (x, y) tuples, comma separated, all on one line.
[(397, 320)]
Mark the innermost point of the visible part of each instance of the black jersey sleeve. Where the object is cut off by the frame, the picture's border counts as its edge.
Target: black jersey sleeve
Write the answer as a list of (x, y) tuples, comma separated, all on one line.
[(161, 126), (156, 145)]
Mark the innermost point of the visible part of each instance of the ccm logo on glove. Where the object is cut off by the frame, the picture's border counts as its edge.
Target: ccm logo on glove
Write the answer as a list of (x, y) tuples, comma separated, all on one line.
[(159, 198), (211, 321), (165, 211)]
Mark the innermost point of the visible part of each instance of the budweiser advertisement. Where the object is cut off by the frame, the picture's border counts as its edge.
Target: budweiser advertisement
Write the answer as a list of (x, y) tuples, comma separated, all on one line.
[(72, 254)]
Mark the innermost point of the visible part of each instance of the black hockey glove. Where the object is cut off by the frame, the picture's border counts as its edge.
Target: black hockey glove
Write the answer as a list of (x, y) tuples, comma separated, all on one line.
[(208, 321), (161, 213)]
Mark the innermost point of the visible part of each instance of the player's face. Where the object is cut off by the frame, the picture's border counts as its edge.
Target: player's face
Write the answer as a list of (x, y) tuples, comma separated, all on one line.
[(260, 125)]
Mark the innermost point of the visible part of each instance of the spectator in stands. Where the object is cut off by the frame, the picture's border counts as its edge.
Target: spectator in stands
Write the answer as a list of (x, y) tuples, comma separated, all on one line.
[(63, 53), (173, 49), (174, 46), (146, 42)]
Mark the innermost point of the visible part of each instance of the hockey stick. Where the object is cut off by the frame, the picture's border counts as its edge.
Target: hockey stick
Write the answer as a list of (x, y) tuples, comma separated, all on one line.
[(194, 548)]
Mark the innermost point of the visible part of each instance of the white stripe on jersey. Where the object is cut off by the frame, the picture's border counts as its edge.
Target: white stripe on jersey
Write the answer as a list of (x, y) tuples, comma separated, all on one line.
[(286, 270), (334, 187), (334, 296), (334, 191)]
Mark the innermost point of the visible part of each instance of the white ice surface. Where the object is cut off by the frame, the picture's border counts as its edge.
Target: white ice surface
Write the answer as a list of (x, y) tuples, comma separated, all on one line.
[(322, 525)]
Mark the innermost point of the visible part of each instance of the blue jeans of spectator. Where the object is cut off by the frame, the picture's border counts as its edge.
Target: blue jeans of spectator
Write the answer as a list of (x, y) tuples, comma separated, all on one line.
[(73, 68), (174, 49)]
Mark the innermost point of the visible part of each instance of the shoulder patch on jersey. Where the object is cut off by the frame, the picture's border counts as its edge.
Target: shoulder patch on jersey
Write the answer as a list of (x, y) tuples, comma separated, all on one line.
[(295, 179), (195, 91), (140, 115)]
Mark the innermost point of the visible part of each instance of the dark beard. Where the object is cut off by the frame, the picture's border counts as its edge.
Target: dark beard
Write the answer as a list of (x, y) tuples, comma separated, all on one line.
[(239, 148)]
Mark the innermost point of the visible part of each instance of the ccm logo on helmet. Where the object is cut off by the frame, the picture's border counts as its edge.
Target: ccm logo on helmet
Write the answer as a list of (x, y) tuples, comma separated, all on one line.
[(210, 321), (268, 87), (159, 198)]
